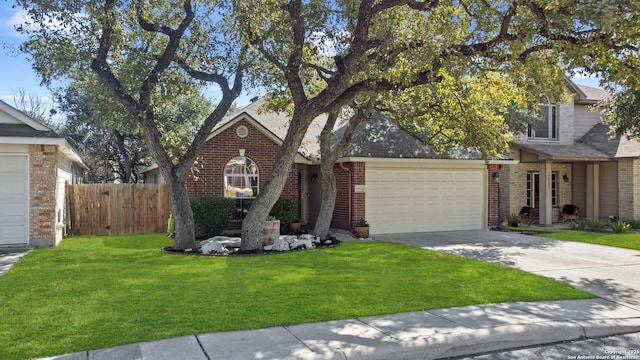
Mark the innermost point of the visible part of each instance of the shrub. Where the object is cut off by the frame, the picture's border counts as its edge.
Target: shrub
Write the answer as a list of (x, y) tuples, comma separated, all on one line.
[(284, 210), (619, 227), (582, 224), (634, 223), (591, 225), (211, 214), (362, 223)]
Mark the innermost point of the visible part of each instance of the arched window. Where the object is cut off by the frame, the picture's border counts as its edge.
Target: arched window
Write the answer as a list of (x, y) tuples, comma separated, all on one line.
[(241, 178), (545, 127)]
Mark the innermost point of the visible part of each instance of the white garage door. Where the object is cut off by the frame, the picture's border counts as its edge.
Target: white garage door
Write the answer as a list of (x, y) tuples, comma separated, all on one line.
[(400, 200), (14, 199)]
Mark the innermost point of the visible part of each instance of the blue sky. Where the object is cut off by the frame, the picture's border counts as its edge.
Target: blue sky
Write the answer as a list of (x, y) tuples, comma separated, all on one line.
[(16, 73)]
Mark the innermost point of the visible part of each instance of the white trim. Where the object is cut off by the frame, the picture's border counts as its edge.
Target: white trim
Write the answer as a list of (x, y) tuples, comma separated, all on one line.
[(299, 159), (28, 208), (20, 116), (65, 146), (32, 140), (441, 163)]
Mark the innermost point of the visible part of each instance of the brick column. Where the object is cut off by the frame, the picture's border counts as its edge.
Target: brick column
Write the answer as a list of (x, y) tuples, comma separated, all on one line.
[(42, 195)]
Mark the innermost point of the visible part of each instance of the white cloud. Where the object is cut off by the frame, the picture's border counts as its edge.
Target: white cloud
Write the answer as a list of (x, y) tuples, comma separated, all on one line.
[(9, 24)]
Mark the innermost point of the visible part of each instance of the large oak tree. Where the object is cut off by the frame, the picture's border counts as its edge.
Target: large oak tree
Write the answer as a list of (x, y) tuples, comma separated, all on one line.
[(147, 54), (320, 55), (324, 55)]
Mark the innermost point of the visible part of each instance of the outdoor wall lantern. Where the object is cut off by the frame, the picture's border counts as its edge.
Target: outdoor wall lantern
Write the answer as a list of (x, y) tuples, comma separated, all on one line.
[(565, 178), (496, 177), (314, 177)]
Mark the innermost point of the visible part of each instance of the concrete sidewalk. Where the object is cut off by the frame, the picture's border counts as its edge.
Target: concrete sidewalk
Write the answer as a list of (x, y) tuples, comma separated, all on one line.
[(417, 335)]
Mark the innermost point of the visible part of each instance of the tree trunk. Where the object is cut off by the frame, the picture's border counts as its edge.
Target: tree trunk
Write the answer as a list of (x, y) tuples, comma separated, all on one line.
[(270, 192), (127, 167), (329, 191), (185, 236), (328, 160)]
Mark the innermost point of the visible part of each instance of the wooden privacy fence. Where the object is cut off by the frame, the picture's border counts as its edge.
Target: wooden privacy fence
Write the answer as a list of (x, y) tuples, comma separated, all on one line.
[(111, 209)]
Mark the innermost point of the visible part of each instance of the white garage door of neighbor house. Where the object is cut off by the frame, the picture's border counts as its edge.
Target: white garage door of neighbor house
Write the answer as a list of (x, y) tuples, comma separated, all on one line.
[(14, 199), (417, 200)]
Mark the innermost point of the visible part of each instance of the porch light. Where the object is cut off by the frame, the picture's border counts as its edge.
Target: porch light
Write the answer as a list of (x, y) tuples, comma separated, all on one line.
[(314, 177), (565, 178), (241, 152), (496, 177)]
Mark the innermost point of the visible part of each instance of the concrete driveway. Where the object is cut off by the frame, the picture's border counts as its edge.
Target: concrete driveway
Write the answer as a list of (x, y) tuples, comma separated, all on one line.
[(607, 272)]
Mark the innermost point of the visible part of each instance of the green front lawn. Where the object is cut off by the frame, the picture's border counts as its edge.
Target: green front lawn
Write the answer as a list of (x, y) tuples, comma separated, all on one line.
[(629, 240), (96, 292)]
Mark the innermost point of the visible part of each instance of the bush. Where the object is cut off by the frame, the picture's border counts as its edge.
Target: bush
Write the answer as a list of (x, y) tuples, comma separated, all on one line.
[(634, 223), (284, 210), (619, 227), (581, 225), (590, 224), (211, 214)]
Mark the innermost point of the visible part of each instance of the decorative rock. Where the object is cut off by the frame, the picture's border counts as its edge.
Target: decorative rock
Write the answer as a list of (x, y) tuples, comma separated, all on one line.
[(280, 245), (220, 238), (290, 239), (308, 244), (231, 242), (316, 240), (267, 247), (210, 246), (306, 237)]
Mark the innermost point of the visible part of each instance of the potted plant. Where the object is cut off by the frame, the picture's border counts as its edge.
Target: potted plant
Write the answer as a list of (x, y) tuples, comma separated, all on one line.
[(270, 230), (296, 226), (513, 220), (361, 229), (504, 223)]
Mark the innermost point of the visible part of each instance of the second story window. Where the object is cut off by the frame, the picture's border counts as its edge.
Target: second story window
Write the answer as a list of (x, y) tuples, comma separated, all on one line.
[(546, 126)]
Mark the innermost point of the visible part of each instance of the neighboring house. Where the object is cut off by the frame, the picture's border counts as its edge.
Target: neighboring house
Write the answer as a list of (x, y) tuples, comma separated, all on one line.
[(385, 175), (35, 165), (572, 159)]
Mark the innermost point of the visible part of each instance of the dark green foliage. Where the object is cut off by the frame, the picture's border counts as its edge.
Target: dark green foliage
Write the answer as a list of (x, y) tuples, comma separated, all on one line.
[(635, 223), (211, 214), (619, 227), (285, 211), (591, 225)]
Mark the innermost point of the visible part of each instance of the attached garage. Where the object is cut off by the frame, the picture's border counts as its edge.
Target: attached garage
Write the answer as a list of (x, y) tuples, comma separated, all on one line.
[(416, 199), (35, 163), (14, 199)]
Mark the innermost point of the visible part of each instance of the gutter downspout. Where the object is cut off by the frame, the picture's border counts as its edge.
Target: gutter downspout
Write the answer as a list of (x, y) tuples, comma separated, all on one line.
[(349, 192)]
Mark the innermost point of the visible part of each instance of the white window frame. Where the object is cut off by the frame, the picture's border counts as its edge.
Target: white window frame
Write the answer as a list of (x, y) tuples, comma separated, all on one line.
[(241, 174), (549, 122), (530, 188)]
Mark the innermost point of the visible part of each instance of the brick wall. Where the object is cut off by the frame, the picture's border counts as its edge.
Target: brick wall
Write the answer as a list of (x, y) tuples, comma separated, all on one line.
[(42, 194), (356, 171), (207, 178), (628, 193), (493, 210)]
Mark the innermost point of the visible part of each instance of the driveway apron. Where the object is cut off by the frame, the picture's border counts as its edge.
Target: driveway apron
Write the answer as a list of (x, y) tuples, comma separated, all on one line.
[(608, 272)]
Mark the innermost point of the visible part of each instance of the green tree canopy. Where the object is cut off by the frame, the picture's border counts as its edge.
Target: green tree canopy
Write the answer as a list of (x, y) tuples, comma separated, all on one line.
[(428, 61), (157, 59)]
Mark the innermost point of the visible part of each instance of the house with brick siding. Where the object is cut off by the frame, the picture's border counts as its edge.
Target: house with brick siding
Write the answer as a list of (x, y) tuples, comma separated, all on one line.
[(385, 175), (35, 165), (570, 158)]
